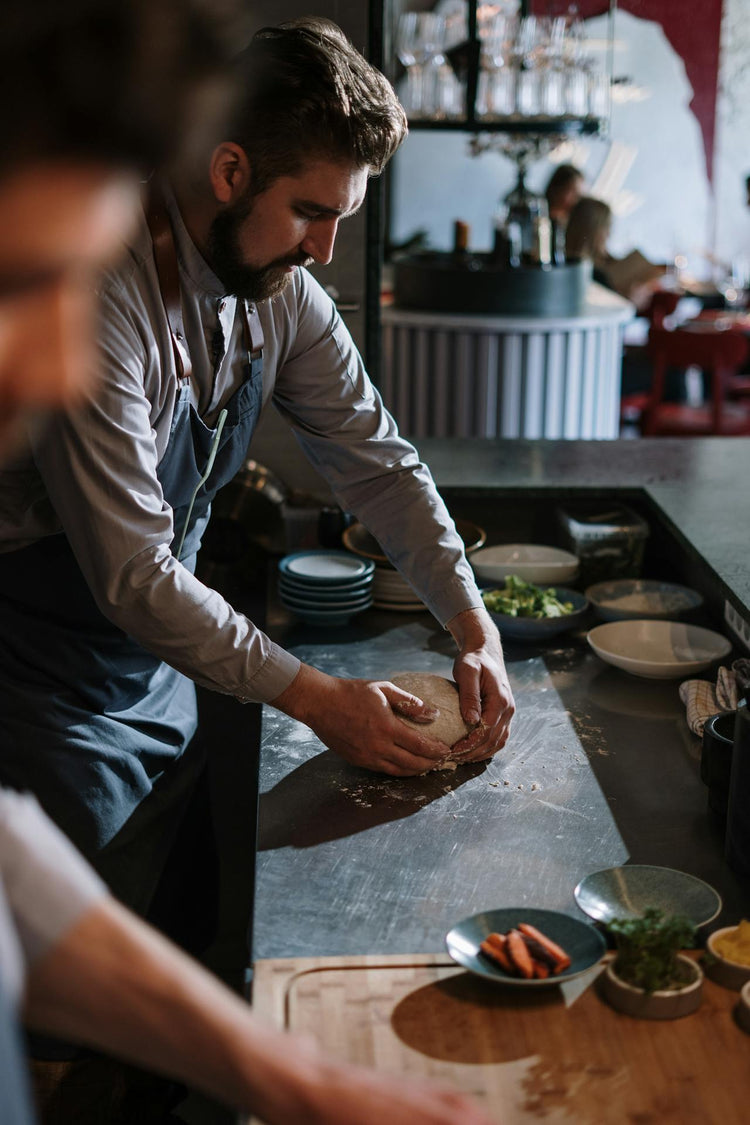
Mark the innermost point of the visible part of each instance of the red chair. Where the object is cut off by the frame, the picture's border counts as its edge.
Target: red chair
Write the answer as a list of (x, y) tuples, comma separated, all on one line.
[(633, 403), (662, 304), (721, 355)]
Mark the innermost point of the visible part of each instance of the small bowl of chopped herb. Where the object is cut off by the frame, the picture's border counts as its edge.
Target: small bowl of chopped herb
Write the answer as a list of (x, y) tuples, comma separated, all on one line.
[(527, 612)]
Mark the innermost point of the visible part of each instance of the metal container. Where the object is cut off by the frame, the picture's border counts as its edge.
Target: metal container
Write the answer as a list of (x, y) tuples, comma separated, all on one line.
[(609, 539)]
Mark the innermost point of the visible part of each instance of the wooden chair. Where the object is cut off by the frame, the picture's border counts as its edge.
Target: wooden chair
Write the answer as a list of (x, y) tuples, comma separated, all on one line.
[(721, 355)]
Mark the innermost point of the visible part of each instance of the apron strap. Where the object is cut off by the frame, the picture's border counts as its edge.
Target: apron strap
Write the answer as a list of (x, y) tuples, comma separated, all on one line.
[(253, 330), (165, 257)]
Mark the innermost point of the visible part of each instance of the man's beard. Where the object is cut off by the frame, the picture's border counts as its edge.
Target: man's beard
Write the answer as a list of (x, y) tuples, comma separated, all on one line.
[(241, 280)]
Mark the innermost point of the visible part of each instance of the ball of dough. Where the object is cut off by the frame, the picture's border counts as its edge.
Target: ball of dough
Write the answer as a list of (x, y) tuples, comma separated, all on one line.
[(449, 727)]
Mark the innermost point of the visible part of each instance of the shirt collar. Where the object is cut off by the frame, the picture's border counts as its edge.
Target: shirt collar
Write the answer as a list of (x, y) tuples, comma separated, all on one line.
[(190, 258)]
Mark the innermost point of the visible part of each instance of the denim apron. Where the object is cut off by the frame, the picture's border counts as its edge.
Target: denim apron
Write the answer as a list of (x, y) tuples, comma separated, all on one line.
[(92, 723)]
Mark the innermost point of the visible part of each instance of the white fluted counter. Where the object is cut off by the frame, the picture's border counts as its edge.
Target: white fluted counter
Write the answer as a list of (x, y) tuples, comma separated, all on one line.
[(447, 375)]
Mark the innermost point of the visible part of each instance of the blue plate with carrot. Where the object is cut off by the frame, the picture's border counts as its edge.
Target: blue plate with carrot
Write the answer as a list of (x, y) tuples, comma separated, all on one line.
[(524, 947)]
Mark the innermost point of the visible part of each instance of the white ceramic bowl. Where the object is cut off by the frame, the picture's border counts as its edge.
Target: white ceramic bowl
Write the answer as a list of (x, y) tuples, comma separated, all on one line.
[(658, 650), (531, 561)]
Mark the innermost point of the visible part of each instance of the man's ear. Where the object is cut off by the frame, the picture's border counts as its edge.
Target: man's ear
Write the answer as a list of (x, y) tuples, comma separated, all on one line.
[(229, 172)]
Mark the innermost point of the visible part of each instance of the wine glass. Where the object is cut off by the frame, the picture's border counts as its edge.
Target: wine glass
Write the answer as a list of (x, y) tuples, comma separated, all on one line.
[(576, 64), (527, 52), (496, 86), (420, 39)]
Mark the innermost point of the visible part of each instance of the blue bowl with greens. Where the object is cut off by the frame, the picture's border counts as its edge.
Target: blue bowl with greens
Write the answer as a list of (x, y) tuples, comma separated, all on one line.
[(525, 612)]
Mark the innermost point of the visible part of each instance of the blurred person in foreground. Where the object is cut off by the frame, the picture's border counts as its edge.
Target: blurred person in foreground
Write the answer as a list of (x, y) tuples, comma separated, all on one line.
[(210, 314), (633, 277), (76, 961)]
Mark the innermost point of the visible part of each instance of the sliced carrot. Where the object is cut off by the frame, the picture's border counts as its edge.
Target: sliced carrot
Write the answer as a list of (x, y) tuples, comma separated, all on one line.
[(541, 970), (539, 953), (494, 947), (562, 960), (519, 954)]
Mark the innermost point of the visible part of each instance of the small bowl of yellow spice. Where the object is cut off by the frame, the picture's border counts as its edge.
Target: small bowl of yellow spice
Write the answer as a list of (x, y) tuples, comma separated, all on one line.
[(728, 960)]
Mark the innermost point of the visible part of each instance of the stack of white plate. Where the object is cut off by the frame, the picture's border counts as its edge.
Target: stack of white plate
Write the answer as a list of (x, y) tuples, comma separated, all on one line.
[(325, 587), (391, 591)]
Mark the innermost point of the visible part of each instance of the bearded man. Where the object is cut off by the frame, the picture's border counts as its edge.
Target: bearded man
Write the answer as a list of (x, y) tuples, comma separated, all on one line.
[(211, 314)]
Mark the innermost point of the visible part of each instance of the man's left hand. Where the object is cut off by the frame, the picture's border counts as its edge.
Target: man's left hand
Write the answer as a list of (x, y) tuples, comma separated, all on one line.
[(483, 687)]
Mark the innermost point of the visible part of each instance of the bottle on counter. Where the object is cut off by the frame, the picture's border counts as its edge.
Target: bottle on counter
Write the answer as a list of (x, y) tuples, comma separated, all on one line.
[(525, 208), (541, 246), (559, 256), (508, 244), (460, 254), (523, 231)]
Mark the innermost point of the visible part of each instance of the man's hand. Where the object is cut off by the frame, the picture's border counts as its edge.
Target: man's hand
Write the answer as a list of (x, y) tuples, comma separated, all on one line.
[(114, 984), (341, 1094), (358, 719), (484, 691)]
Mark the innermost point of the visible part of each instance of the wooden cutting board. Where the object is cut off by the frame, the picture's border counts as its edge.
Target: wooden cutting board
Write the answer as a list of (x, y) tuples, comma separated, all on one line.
[(558, 1055)]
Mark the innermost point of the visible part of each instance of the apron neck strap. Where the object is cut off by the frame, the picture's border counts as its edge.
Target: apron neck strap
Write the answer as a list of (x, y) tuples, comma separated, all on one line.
[(253, 330), (165, 256)]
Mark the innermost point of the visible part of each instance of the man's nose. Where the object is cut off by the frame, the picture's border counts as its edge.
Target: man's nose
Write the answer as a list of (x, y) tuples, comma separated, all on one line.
[(320, 239)]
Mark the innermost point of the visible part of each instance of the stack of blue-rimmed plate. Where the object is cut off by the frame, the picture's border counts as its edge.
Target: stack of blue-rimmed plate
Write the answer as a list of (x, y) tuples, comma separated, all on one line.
[(325, 587)]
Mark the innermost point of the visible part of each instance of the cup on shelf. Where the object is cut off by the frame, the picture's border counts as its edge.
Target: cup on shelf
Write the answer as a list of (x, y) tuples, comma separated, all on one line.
[(420, 41)]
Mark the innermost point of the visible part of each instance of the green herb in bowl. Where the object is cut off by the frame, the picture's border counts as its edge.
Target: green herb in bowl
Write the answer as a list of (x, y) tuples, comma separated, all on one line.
[(519, 598)]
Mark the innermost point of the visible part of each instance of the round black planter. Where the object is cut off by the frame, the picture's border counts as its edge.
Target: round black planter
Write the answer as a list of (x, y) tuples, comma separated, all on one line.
[(437, 282)]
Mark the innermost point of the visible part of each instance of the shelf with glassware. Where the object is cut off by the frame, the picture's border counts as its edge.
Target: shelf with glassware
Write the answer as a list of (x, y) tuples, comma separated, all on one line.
[(499, 68)]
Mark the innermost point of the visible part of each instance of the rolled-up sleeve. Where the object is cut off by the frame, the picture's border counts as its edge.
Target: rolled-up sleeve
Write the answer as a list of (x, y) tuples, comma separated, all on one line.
[(342, 425)]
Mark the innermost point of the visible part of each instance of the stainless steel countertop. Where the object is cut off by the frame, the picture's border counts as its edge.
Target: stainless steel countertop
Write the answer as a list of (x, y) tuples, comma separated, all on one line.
[(600, 768)]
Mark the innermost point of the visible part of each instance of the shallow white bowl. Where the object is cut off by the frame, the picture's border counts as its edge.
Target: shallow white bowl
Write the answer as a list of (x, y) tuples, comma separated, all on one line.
[(531, 561), (658, 650)]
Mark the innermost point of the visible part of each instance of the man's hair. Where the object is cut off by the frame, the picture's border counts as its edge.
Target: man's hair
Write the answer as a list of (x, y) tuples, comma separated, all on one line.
[(110, 81), (307, 94), (560, 180)]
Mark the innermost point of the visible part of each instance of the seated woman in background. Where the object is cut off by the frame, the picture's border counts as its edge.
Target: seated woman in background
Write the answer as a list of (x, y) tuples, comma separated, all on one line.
[(564, 189), (588, 231)]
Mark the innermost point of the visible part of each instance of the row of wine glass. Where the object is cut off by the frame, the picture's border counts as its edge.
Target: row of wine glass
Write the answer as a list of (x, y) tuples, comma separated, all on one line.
[(530, 67)]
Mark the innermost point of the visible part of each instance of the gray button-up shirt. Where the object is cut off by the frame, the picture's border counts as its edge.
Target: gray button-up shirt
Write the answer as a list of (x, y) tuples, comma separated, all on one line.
[(93, 472)]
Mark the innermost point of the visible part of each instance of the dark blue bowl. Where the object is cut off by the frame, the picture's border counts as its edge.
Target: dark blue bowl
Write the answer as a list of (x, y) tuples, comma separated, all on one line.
[(541, 628)]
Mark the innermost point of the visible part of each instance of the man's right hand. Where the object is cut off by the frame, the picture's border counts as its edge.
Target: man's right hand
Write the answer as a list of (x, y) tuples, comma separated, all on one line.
[(342, 1094), (357, 719)]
